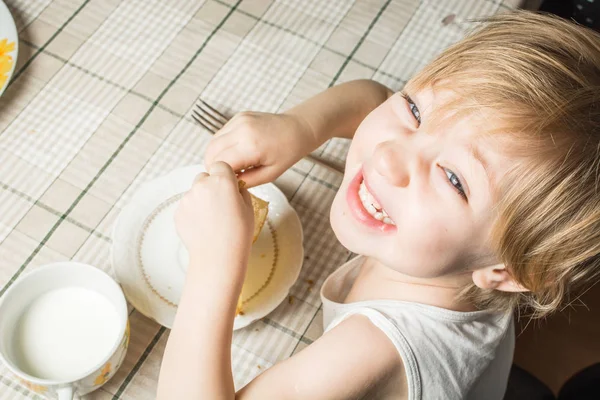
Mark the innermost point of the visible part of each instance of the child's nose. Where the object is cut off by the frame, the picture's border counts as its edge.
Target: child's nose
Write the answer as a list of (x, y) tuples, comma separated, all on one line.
[(397, 163)]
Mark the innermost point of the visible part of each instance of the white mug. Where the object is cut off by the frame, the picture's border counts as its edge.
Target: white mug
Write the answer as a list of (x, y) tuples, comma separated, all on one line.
[(74, 302)]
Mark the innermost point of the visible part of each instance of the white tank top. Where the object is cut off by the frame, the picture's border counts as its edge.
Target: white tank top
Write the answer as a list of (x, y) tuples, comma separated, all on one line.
[(446, 354)]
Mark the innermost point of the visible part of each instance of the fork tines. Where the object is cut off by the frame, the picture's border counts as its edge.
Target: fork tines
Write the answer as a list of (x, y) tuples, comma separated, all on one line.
[(208, 117)]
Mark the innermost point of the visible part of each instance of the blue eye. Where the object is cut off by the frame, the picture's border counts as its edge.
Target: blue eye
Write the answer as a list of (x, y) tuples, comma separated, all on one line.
[(413, 108), (455, 182)]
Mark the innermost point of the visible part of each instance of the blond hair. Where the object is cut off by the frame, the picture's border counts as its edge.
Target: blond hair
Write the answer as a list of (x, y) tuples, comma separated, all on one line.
[(538, 77)]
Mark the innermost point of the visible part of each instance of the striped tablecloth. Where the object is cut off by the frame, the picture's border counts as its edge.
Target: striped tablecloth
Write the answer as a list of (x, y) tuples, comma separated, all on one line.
[(100, 103)]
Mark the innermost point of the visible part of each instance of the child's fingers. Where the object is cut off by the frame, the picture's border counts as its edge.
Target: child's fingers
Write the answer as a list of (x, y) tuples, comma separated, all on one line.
[(216, 146), (230, 149), (231, 126), (222, 169), (257, 176), (199, 177), (238, 158)]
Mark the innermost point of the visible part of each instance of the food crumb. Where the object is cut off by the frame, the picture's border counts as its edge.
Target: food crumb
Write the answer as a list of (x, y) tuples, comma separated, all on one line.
[(259, 367), (448, 19), (310, 281), (291, 300)]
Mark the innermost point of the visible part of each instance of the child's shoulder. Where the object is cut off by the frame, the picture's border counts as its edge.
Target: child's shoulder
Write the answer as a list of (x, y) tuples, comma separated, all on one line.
[(432, 342)]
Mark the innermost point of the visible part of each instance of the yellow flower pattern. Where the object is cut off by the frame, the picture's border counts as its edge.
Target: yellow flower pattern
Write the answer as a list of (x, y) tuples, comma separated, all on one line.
[(107, 370), (6, 60), (104, 375)]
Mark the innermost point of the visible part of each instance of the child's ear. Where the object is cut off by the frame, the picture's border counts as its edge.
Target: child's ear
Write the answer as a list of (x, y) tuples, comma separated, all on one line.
[(496, 277)]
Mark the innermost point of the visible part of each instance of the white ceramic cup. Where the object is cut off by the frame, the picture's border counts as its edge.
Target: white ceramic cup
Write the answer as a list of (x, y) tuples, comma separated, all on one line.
[(40, 281)]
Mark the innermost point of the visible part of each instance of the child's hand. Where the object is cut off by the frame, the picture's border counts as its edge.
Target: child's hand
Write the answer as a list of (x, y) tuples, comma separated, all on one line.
[(268, 144), (215, 221)]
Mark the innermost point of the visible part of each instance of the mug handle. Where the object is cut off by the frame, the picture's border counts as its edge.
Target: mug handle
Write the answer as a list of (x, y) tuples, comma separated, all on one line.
[(65, 393)]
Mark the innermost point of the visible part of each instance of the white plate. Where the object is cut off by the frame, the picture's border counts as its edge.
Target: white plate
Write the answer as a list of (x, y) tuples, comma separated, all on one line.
[(8, 30), (150, 261)]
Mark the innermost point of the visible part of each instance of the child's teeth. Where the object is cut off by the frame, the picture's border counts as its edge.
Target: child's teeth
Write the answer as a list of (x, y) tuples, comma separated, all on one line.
[(372, 206), (371, 199)]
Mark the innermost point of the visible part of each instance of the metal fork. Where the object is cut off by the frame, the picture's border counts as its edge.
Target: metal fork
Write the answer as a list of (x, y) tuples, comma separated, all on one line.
[(212, 120)]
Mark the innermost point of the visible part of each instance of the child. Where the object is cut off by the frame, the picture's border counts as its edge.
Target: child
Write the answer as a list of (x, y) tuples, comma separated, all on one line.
[(472, 191)]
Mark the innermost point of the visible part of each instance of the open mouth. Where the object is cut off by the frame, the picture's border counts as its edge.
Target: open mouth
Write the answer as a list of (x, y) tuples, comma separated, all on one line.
[(372, 206), (365, 208)]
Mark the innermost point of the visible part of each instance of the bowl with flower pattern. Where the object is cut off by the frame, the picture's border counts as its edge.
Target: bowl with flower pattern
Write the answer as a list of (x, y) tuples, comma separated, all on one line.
[(9, 46)]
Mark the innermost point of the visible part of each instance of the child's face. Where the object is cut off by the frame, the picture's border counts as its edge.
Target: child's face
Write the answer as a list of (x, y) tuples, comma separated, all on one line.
[(430, 183)]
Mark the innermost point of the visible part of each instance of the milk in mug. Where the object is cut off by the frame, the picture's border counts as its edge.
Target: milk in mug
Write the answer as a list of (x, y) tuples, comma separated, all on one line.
[(65, 333)]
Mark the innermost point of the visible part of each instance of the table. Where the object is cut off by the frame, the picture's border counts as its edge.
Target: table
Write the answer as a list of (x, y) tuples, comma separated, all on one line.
[(100, 102)]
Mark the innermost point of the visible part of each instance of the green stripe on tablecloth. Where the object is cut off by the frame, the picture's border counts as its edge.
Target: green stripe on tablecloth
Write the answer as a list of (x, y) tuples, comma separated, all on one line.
[(115, 154), (60, 29), (288, 331), (360, 42), (321, 45), (103, 79), (51, 210), (140, 362), (302, 337)]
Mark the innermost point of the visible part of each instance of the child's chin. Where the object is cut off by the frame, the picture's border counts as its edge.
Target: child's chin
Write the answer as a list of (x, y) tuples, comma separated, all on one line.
[(343, 231)]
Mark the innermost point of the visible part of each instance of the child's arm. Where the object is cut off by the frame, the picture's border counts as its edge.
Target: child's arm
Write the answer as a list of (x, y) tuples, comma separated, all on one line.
[(214, 220), (347, 362), (339, 110), (274, 142)]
